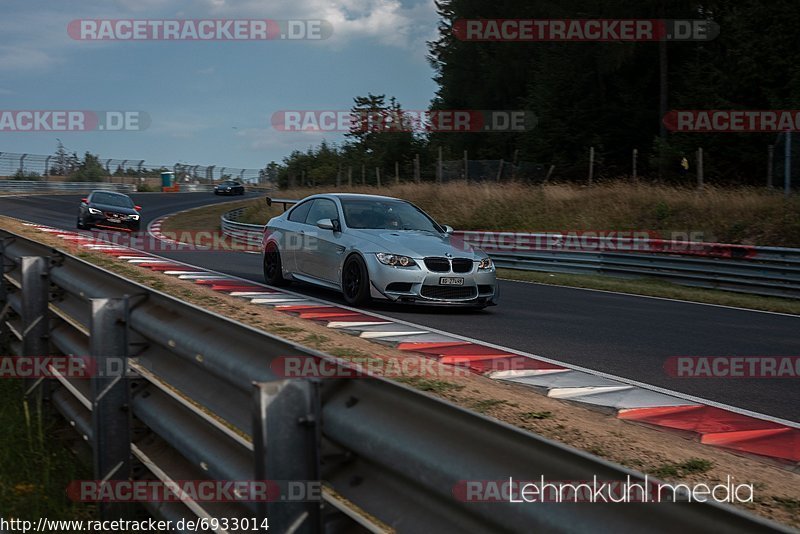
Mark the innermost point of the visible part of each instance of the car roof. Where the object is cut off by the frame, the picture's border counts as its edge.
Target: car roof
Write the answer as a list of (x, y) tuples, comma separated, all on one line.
[(357, 196), (109, 192)]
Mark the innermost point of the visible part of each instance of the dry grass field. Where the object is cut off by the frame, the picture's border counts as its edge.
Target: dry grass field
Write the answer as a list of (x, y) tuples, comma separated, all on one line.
[(726, 215)]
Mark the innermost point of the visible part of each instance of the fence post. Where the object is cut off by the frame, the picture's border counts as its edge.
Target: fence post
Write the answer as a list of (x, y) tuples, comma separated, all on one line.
[(635, 162), (339, 176), (286, 437), (3, 294), (787, 171), (514, 165), (770, 164), (363, 174), (397, 172), (35, 281), (500, 170), (416, 168), (549, 173), (439, 177), (591, 165), (350, 176), (378, 176), (700, 168), (111, 419)]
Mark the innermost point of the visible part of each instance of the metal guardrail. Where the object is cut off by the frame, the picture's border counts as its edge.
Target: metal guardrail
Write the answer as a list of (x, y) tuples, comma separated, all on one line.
[(767, 271), (251, 234), (202, 402), (35, 186)]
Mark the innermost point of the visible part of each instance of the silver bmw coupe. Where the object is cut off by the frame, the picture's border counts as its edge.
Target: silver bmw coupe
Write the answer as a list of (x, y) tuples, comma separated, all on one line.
[(375, 247)]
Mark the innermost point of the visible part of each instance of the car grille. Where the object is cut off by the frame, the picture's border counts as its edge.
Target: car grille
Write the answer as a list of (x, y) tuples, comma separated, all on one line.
[(112, 214), (462, 265), (438, 265), (449, 292)]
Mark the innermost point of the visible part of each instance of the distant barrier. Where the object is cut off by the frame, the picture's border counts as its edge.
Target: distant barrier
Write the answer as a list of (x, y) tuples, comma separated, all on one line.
[(766, 271), (33, 186)]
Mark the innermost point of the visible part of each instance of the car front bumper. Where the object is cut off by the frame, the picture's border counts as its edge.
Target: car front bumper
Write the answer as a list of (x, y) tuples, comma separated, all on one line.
[(101, 221), (419, 285)]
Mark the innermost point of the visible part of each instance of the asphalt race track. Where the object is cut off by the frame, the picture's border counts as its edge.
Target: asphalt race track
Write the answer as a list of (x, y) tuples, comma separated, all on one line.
[(622, 335)]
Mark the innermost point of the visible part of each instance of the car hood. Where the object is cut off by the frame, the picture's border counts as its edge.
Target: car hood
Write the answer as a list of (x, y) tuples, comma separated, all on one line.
[(415, 244), (115, 209)]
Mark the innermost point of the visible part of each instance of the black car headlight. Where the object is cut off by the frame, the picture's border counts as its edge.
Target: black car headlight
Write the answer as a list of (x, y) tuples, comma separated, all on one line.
[(394, 260), (485, 264), (133, 217), (95, 211)]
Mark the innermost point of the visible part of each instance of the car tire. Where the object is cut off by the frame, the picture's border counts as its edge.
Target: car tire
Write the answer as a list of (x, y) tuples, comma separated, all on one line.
[(273, 267), (355, 281), (79, 224)]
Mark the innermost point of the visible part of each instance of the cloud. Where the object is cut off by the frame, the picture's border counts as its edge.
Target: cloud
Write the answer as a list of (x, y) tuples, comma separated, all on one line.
[(260, 139), (20, 57), (390, 22), (184, 127)]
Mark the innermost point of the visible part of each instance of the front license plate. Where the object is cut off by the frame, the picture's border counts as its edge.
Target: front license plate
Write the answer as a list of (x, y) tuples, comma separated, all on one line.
[(114, 220), (451, 281)]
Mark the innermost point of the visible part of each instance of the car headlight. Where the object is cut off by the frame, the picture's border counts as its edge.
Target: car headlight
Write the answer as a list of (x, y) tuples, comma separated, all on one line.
[(94, 211), (485, 264), (394, 260), (133, 217)]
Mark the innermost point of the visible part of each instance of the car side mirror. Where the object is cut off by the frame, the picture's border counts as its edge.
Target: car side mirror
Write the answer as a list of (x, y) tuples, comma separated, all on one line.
[(448, 229), (326, 224), (137, 208), (85, 200)]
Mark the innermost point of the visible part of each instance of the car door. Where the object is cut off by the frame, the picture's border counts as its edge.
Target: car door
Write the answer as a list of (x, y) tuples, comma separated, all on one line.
[(321, 255), (294, 229)]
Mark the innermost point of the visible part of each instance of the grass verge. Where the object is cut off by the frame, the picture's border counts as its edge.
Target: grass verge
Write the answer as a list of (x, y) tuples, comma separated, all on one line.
[(738, 215), (35, 469), (656, 288), (205, 218)]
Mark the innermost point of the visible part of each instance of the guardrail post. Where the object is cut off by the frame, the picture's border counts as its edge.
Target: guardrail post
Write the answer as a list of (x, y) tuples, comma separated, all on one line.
[(286, 437), (111, 419), (35, 323), (3, 294)]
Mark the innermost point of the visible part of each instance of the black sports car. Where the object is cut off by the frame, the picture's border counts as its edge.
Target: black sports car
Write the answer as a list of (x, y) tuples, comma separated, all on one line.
[(105, 209), (229, 187)]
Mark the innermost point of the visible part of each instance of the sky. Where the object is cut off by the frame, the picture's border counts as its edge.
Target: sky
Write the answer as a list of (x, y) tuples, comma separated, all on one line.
[(208, 102)]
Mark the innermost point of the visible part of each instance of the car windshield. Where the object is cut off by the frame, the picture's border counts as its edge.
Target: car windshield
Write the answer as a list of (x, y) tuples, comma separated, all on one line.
[(112, 200), (228, 183), (387, 215)]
